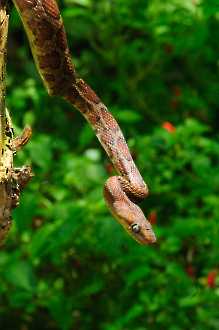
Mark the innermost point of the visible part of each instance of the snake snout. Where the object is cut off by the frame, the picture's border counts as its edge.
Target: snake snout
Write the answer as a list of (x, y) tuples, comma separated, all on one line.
[(143, 233), (152, 238), (149, 234)]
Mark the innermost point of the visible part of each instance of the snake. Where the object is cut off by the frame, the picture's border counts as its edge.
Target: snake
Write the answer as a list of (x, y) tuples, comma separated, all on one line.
[(48, 42)]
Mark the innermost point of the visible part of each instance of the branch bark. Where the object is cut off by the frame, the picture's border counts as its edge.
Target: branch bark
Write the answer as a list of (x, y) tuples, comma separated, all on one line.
[(12, 180)]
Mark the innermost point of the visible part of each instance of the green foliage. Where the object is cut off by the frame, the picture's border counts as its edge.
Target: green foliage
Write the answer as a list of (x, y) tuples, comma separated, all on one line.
[(67, 264)]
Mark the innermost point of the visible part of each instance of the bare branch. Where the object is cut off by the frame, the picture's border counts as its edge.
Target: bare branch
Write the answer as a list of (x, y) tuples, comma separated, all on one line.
[(12, 180)]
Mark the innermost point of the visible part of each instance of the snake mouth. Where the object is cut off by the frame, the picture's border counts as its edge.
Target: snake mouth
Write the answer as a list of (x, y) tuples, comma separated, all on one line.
[(152, 240), (144, 237), (142, 233), (147, 240)]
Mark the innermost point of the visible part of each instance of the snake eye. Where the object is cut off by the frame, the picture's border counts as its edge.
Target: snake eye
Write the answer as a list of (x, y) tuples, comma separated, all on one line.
[(136, 228)]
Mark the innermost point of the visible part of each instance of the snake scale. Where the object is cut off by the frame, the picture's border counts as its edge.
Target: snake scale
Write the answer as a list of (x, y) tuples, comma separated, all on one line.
[(44, 27)]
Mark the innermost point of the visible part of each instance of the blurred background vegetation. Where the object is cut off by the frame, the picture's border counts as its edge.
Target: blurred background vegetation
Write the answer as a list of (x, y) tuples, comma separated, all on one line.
[(67, 264)]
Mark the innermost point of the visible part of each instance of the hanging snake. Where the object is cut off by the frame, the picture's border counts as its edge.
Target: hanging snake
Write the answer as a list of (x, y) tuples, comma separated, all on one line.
[(44, 27)]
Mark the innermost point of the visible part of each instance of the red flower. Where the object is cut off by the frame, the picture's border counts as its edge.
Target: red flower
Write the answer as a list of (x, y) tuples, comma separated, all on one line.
[(168, 48), (190, 270), (152, 217), (211, 278), (177, 91), (109, 168), (169, 127)]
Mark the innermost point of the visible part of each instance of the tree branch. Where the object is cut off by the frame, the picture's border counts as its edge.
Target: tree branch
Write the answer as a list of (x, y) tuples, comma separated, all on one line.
[(12, 180)]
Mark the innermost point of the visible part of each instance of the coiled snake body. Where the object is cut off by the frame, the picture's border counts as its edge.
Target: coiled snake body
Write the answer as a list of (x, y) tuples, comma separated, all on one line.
[(47, 37)]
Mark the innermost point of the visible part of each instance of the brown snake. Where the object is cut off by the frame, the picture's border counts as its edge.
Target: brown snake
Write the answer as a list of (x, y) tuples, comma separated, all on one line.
[(47, 37)]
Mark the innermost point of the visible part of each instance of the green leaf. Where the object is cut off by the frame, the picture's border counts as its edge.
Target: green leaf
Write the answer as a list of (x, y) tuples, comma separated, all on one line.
[(20, 274)]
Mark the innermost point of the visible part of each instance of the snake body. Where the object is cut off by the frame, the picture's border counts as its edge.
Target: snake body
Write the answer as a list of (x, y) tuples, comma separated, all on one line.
[(47, 37)]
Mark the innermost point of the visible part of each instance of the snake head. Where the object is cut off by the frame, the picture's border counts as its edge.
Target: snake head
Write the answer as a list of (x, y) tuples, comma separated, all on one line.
[(127, 213), (131, 217), (142, 232)]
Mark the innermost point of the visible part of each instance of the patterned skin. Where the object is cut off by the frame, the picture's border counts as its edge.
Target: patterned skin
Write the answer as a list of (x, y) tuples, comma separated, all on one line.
[(47, 37)]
